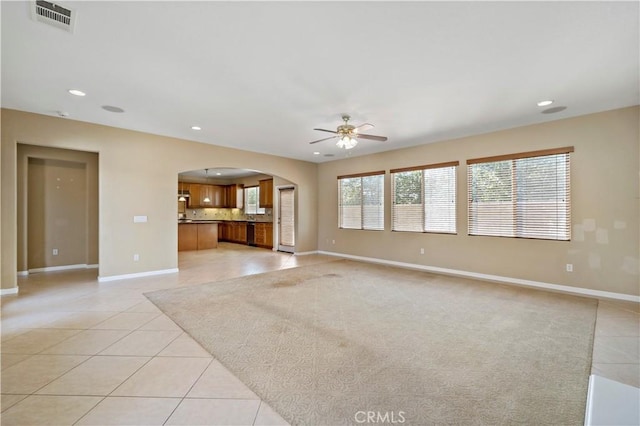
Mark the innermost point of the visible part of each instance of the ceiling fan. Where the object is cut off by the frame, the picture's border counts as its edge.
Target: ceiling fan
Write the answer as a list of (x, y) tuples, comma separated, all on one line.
[(348, 134)]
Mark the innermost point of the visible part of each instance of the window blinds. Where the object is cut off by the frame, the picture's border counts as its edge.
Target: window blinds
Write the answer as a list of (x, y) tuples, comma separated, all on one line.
[(361, 201), (524, 195), (424, 198)]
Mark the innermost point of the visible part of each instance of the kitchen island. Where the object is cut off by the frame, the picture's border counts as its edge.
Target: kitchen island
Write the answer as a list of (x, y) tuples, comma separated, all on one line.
[(197, 234)]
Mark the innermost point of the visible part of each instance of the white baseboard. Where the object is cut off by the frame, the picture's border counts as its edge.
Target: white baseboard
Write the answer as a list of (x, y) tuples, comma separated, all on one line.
[(306, 253), (496, 278), (137, 275), (22, 273), (7, 291), (58, 268)]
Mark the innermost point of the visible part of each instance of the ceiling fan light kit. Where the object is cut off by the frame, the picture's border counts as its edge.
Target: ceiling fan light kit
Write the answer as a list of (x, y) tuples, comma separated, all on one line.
[(346, 142), (348, 134)]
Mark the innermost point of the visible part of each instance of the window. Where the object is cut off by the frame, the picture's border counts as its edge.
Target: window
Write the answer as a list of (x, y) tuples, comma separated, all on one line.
[(524, 195), (361, 201), (424, 198), (251, 200)]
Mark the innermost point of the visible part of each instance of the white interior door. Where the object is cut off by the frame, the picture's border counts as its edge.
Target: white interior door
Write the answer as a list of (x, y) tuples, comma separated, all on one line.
[(286, 219)]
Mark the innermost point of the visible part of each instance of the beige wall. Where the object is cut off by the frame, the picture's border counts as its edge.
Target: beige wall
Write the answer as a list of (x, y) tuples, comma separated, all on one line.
[(138, 176), (604, 176), (56, 219), (66, 217)]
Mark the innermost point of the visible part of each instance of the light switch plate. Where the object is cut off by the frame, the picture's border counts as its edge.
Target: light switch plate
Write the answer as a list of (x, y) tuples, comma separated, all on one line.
[(139, 219)]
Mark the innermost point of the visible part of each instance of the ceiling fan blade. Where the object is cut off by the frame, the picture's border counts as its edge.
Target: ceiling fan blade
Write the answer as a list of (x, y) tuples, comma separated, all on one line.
[(364, 124), (320, 140), (372, 137), (325, 130)]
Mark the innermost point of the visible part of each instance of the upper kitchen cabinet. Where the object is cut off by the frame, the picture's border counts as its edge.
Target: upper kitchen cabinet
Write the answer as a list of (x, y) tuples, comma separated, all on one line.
[(218, 196), (235, 196), (184, 188), (266, 193), (206, 198), (202, 195), (195, 190)]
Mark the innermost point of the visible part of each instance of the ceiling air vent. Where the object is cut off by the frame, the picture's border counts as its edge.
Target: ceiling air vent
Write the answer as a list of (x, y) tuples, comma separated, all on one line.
[(53, 14)]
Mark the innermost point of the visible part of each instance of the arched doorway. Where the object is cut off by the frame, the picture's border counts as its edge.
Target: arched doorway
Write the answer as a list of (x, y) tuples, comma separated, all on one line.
[(245, 203)]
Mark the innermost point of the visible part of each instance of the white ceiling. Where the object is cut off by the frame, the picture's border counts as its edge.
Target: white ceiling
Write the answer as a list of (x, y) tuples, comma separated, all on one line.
[(260, 76)]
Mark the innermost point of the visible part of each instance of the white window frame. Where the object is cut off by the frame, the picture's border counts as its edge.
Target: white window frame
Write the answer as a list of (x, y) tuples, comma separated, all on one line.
[(252, 208)]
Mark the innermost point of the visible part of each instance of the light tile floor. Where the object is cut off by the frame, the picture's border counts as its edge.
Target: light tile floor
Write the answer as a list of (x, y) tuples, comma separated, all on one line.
[(78, 352)]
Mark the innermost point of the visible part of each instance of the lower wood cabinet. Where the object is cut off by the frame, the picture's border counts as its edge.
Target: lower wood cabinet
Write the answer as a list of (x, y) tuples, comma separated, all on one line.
[(207, 236), (187, 237), (240, 232), (223, 231), (264, 234), (234, 232), (197, 236)]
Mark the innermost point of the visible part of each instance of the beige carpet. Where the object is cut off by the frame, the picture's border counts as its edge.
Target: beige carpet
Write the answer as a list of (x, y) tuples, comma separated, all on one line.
[(332, 343)]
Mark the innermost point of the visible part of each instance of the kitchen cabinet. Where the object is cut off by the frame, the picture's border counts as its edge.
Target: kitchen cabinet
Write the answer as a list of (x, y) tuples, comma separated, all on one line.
[(183, 188), (205, 194), (223, 231), (239, 232), (234, 232), (235, 196), (187, 237), (194, 195), (198, 192), (266, 193), (197, 236), (207, 235), (264, 234), (218, 196)]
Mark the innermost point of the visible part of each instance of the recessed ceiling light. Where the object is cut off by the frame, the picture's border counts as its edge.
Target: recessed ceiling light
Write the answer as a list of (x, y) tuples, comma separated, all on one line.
[(111, 108), (76, 92), (316, 153), (545, 103), (196, 128)]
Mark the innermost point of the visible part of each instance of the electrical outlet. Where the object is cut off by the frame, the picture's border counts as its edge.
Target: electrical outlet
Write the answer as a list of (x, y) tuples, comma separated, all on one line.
[(333, 241), (421, 251), (136, 257), (55, 252), (569, 267)]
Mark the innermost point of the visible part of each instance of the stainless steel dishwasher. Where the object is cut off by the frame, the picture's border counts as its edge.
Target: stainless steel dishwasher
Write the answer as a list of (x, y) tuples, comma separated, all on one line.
[(251, 233)]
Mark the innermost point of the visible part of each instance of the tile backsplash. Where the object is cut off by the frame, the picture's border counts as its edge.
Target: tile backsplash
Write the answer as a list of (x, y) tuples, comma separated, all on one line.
[(225, 214)]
